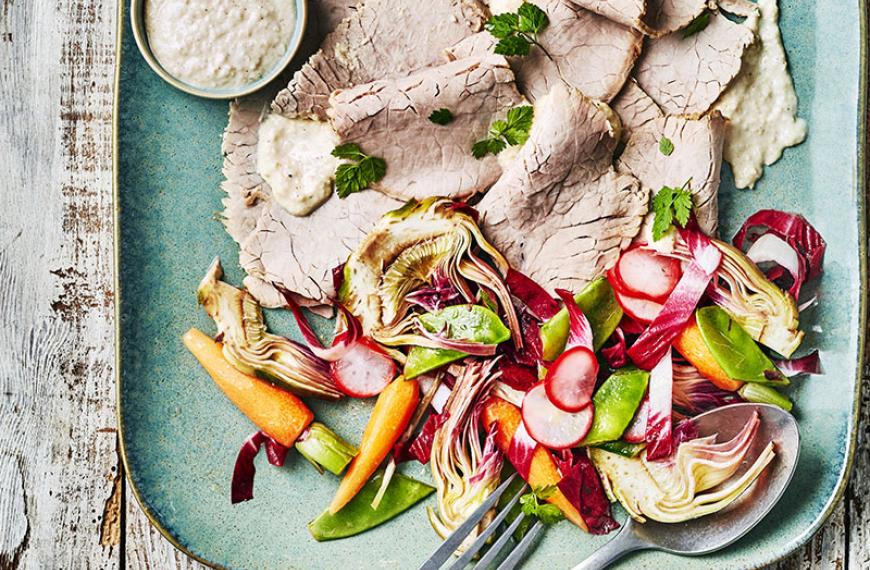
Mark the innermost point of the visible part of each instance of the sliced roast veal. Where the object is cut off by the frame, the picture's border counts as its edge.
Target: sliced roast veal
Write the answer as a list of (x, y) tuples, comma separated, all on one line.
[(381, 38), (653, 17), (696, 159), (389, 119), (299, 253), (635, 108), (561, 213), (626, 12), (578, 48), (686, 75)]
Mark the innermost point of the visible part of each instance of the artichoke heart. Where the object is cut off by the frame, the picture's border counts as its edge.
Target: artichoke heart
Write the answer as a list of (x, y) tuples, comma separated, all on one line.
[(697, 481), (766, 312), (248, 346), (404, 251)]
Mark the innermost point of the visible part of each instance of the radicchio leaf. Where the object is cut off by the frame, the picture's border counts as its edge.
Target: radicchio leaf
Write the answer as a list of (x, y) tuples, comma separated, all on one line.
[(695, 394), (521, 451), (809, 364), (797, 232), (616, 353), (533, 296), (580, 331), (517, 376), (437, 295), (242, 486), (659, 423), (656, 340), (582, 487), (421, 447), (685, 430), (342, 341)]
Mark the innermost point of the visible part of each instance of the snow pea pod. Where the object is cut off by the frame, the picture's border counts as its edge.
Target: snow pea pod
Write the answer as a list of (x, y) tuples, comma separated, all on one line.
[(359, 516), (598, 303), (462, 322), (616, 402), (622, 448), (734, 350)]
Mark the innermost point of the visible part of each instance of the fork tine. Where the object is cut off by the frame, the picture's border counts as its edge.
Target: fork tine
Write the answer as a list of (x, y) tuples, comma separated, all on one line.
[(516, 556), (499, 545), (487, 532), (449, 546)]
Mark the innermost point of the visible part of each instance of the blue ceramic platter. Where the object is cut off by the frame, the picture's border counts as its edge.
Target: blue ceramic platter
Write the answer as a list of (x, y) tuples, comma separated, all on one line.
[(180, 435)]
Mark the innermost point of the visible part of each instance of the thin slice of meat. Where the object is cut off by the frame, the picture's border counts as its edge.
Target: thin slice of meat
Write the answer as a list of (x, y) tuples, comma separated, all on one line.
[(666, 16), (299, 253), (685, 76), (696, 159), (561, 213), (381, 38), (635, 108), (246, 191), (627, 12), (578, 48), (390, 119)]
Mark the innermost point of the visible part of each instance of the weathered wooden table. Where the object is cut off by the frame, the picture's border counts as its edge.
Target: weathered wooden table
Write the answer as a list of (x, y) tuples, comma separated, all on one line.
[(63, 499)]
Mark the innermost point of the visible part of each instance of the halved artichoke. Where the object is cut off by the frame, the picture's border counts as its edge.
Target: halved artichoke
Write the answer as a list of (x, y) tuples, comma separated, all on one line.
[(248, 346), (410, 248), (676, 490)]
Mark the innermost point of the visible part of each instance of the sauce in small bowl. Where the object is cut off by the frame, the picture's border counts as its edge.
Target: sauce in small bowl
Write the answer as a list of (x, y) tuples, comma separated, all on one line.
[(219, 49)]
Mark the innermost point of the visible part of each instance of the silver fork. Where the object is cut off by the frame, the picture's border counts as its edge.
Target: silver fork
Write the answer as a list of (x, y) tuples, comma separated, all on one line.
[(449, 546)]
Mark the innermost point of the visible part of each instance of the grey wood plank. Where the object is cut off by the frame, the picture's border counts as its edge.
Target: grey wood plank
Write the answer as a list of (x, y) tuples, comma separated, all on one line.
[(145, 547), (58, 461)]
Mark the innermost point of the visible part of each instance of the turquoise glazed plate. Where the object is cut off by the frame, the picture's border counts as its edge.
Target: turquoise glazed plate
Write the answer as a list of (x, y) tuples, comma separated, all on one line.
[(180, 435)]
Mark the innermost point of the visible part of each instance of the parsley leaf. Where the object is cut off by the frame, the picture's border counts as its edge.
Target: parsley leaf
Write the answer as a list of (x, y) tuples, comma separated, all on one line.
[(360, 173), (513, 131), (517, 32), (666, 146), (697, 25), (671, 204), (441, 116), (531, 505)]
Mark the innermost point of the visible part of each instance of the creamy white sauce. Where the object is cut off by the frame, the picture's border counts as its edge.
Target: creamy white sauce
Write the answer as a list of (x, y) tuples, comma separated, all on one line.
[(219, 43), (293, 157), (761, 104)]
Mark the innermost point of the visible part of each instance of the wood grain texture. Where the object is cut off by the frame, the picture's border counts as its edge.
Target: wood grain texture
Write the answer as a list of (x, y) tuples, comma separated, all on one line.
[(63, 501)]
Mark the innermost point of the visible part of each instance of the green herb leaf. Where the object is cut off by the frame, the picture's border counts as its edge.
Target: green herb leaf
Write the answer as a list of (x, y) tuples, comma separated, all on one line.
[(666, 146), (531, 18), (517, 31), (670, 204), (545, 492), (531, 505), (513, 131), (549, 514), (355, 176), (503, 25), (697, 25), (441, 116), (513, 45)]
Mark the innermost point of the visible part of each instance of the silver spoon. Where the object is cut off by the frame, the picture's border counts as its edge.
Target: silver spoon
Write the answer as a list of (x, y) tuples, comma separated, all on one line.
[(716, 531)]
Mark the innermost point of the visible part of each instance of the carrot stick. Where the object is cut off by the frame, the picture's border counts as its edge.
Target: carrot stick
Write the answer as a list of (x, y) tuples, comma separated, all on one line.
[(543, 470), (690, 344), (390, 416), (280, 414)]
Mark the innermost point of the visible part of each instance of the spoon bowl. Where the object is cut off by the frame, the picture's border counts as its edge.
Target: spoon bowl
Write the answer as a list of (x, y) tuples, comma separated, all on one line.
[(716, 531)]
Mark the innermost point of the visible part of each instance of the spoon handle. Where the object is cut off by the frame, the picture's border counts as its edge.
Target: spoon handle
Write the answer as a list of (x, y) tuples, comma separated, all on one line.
[(624, 542)]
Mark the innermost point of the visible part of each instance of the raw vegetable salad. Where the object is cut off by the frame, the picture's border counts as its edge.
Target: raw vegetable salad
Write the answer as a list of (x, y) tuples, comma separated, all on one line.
[(478, 371)]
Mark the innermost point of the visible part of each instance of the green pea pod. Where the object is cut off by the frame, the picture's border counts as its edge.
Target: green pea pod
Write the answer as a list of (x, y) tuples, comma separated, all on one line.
[(462, 322), (359, 516), (734, 350), (622, 448), (598, 303), (616, 402)]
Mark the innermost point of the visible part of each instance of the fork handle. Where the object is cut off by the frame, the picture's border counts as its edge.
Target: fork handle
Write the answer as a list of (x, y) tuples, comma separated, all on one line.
[(623, 543)]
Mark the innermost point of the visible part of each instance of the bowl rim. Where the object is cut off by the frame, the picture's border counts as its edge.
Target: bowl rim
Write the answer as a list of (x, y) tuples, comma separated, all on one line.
[(137, 23)]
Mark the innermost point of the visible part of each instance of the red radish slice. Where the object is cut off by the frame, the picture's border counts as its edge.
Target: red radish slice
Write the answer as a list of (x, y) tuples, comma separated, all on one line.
[(571, 379), (364, 370), (550, 426), (646, 275), (641, 310)]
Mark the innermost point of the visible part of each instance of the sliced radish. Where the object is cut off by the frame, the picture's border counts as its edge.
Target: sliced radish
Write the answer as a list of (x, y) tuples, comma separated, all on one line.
[(643, 274), (571, 379), (642, 310), (364, 370), (550, 426)]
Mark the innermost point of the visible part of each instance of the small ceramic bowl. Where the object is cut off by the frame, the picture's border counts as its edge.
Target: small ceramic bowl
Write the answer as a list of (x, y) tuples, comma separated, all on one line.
[(137, 22)]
